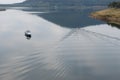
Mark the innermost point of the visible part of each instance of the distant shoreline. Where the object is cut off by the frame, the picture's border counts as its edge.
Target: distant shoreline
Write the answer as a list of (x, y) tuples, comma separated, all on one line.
[(110, 15), (3, 9)]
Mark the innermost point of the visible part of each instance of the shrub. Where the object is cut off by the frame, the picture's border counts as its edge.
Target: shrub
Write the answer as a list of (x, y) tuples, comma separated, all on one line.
[(114, 5)]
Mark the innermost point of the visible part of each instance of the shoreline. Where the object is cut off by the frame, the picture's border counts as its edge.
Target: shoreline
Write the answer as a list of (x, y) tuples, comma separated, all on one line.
[(2, 9), (110, 15)]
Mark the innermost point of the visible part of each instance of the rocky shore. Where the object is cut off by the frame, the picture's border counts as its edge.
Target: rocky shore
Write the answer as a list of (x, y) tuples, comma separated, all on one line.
[(111, 15)]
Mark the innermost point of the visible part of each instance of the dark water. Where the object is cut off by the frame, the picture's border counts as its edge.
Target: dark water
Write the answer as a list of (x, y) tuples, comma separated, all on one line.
[(64, 46), (71, 19)]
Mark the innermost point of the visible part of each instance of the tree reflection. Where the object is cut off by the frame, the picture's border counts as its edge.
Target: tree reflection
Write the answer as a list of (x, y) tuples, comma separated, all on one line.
[(114, 25)]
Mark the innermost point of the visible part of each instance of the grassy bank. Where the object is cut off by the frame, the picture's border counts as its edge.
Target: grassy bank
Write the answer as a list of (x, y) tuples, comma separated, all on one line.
[(110, 15)]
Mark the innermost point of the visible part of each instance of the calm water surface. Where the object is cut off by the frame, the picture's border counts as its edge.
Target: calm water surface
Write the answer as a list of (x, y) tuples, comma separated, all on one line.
[(64, 46)]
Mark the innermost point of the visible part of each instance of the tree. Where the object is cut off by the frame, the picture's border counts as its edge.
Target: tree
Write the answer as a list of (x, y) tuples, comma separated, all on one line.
[(114, 5)]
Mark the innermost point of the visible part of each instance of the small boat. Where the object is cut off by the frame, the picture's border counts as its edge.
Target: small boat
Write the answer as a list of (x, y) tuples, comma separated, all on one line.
[(28, 34)]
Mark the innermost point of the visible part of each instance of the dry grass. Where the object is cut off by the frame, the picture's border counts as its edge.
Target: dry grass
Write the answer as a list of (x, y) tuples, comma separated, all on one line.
[(110, 15)]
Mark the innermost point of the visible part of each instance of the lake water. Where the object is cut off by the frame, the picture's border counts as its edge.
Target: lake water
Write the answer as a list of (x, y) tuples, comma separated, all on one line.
[(65, 45)]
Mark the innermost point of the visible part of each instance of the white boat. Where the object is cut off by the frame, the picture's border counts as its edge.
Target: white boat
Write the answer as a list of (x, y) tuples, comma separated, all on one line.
[(28, 34)]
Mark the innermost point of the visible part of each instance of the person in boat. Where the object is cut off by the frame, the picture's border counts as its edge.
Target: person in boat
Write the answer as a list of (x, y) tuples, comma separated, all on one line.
[(28, 34)]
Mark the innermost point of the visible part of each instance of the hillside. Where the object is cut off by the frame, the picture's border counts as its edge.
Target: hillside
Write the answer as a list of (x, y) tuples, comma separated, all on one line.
[(70, 2), (61, 3), (111, 15)]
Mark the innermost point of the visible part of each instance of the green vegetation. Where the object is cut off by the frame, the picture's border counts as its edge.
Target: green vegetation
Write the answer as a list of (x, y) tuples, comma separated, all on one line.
[(114, 5), (61, 3)]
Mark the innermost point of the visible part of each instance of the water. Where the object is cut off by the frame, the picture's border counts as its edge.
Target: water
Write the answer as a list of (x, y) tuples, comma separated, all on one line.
[(59, 49)]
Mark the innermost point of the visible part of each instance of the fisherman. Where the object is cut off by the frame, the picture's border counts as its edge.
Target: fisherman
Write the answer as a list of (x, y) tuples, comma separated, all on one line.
[(28, 34)]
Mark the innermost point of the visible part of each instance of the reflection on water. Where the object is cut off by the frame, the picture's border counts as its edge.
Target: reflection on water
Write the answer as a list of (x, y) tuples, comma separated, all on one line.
[(71, 19), (54, 52), (114, 25), (2, 9)]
